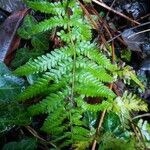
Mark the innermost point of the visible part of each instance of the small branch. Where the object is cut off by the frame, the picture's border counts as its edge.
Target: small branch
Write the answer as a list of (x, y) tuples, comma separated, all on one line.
[(35, 134), (94, 24), (140, 116), (141, 135), (94, 145), (101, 120), (140, 25), (100, 123), (136, 133), (114, 11), (113, 52), (98, 128), (139, 33)]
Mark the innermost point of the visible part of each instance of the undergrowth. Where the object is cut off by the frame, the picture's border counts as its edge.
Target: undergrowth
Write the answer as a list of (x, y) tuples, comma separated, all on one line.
[(72, 84)]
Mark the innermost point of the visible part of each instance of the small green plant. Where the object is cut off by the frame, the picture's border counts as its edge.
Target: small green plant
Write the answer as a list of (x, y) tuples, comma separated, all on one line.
[(70, 74), (73, 83), (39, 43)]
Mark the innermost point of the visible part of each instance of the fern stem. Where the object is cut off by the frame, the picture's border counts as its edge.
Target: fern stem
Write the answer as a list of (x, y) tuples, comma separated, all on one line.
[(74, 67), (73, 75)]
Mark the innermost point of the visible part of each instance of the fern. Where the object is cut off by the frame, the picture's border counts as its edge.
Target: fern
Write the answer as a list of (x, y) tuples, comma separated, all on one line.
[(127, 104), (68, 76)]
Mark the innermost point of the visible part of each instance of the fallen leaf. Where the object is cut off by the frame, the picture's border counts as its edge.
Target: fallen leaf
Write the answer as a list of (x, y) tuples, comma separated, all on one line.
[(9, 41), (11, 112), (9, 83), (12, 5)]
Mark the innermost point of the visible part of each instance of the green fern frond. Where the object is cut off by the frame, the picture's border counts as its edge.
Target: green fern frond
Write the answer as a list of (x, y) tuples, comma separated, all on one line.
[(39, 87), (82, 145), (48, 24), (131, 102), (52, 124), (90, 86), (90, 50), (46, 7), (93, 107), (49, 104), (145, 129), (67, 75), (110, 141), (101, 74), (77, 117), (80, 134), (44, 62), (56, 8), (78, 34), (127, 104)]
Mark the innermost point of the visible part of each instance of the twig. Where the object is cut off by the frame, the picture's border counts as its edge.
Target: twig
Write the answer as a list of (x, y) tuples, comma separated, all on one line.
[(140, 116), (100, 123), (103, 22), (114, 1), (138, 133), (113, 52), (35, 134), (139, 33), (114, 11), (143, 17), (94, 24), (98, 128), (140, 25)]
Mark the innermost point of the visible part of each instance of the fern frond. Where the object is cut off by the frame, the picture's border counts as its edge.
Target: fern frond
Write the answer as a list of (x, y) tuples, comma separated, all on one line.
[(83, 28), (46, 7), (90, 50), (82, 145), (126, 104), (80, 134), (131, 102), (77, 117), (44, 62), (49, 104), (90, 86), (54, 120), (39, 87), (93, 107), (78, 34), (110, 141), (56, 8), (67, 75), (145, 129), (101, 74), (48, 24)]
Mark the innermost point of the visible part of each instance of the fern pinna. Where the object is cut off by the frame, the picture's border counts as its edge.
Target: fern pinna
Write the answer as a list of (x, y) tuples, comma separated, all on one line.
[(68, 75)]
